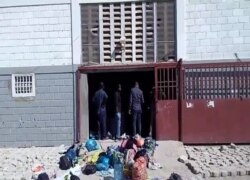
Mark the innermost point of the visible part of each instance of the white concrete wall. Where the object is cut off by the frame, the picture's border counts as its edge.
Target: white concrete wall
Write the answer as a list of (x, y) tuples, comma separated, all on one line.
[(216, 29), (36, 35)]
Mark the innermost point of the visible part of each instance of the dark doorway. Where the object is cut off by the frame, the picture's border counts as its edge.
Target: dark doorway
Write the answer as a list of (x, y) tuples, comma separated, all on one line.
[(127, 80)]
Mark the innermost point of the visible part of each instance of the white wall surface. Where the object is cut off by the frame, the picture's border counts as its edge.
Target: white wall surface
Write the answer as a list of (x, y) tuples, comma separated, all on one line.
[(37, 35), (216, 29)]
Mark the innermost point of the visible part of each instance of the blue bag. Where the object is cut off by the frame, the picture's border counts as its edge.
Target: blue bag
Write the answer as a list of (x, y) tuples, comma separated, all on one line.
[(91, 145)]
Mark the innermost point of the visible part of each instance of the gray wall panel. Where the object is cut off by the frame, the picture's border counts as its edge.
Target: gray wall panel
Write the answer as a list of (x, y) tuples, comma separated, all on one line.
[(43, 120)]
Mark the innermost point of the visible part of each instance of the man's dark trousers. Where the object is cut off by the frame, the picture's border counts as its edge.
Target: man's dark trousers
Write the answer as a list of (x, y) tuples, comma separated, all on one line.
[(102, 116), (136, 115)]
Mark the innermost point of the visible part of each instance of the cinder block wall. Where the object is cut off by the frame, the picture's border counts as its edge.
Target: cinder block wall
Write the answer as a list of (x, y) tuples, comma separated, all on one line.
[(35, 35), (44, 120), (216, 29)]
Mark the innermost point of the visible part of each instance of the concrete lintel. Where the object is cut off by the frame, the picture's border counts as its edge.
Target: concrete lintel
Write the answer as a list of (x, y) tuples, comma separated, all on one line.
[(14, 3)]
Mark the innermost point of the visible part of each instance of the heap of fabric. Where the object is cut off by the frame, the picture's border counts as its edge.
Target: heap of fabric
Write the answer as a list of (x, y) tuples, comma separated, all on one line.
[(134, 155)]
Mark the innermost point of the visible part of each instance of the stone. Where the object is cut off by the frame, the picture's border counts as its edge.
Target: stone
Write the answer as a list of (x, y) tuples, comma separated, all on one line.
[(215, 173), (223, 148), (233, 146), (183, 159), (224, 173), (205, 174)]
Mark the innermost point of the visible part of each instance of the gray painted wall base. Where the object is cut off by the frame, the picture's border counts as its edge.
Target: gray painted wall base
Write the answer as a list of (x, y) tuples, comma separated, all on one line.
[(44, 120)]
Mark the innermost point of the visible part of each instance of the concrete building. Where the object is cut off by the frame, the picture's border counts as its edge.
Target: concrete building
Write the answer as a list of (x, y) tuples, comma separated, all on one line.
[(44, 43)]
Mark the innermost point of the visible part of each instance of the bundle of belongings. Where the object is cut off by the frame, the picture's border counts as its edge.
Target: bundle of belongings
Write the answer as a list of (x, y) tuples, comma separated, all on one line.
[(129, 160)]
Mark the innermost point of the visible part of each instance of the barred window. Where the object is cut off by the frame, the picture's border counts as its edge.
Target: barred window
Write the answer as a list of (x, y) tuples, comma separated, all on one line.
[(23, 85)]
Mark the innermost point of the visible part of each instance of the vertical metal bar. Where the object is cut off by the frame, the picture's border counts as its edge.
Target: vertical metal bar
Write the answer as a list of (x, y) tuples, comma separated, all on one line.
[(155, 32), (222, 81), (156, 84), (217, 82), (177, 87), (209, 82), (234, 80), (123, 29), (101, 33), (193, 82), (201, 84), (160, 84), (226, 75), (231, 81), (180, 97), (168, 84), (133, 13), (243, 81), (112, 32), (172, 83), (144, 32), (213, 82), (189, 81), (247, 80), (238, 80)]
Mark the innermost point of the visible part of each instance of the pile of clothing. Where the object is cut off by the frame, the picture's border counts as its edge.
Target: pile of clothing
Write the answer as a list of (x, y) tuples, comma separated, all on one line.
[(129, 160)]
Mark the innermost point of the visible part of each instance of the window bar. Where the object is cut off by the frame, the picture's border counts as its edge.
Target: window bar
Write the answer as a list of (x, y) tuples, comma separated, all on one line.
[(221, 83), (169, 82), (224, 74), (133, 12), (231, 81), (155, 31), (176, 90), (234, 81), (193, 84), (172, 83), (123, 29), (188, 82), (159, 83), (247, 81), (112, 33), (243, 81), (209, 83), (101, 33), (239, 81), (144, 31), (213, 83)]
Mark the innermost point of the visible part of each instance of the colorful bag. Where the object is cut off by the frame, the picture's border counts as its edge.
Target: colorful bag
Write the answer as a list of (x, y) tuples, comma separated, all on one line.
[(89, 169), (129, 156), (150, 145), (128, 144), (64, 163), (91, 145), (139, 170), (142, 153)]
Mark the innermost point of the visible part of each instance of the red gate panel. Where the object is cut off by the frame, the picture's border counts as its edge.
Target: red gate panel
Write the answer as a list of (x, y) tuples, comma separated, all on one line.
[(215, 106), (166, 91), (227, 122)]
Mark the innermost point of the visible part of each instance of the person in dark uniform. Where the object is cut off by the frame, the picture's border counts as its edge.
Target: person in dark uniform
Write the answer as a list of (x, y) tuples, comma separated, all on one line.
[(99, 101), (118, 111), (135, 107)]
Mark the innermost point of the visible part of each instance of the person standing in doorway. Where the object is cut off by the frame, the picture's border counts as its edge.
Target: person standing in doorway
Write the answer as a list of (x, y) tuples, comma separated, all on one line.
[(99, 101), (118, 111), (135, 107)]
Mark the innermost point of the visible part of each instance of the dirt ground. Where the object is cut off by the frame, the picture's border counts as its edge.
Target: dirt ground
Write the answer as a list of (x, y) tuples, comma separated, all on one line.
[(16, 163)]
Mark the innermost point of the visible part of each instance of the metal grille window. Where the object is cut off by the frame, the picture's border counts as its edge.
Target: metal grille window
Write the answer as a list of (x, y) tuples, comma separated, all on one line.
[(167, 83), (221, 82), (143, 26), (23, 85)]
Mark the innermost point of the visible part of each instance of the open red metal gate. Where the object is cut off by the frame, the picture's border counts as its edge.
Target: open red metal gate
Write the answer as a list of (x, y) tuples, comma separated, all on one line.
[(203, 103), (167, 100)]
